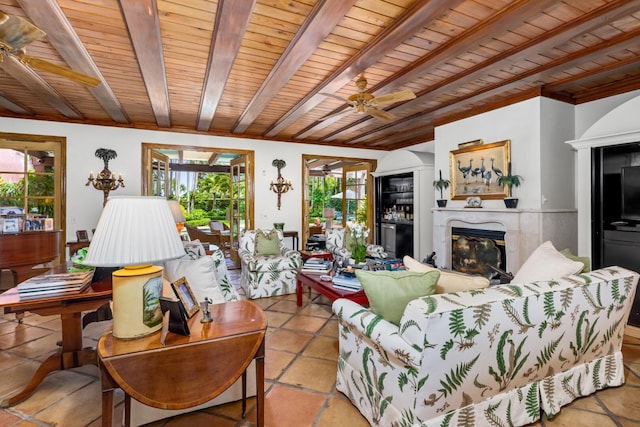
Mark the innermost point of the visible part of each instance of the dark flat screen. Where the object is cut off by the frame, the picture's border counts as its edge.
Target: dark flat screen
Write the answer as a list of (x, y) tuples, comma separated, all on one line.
[(630, 181)]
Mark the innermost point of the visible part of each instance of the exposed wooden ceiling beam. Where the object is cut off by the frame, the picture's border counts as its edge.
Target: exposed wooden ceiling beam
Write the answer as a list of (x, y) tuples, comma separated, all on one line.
[(317, 26), (141, 17), (197, 167), (548, 40), (13, 107), (518, 11), (626, 40), (417, 16), (47, 15), (232, 18), (213, 159), (31, 80)]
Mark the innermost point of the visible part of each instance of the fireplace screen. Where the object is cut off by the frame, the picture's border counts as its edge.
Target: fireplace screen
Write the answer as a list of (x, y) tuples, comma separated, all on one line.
[(474, 250)]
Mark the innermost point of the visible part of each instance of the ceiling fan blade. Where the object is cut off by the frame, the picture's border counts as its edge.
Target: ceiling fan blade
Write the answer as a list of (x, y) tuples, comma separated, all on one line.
[(335, 96), (401, 95), (334, 115), (17, 32), (381, 114), (42, 65)]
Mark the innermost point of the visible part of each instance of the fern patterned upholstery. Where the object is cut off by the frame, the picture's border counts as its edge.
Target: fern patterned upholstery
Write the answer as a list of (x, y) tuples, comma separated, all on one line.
[(494, 356), (267, 275), (335, 245)]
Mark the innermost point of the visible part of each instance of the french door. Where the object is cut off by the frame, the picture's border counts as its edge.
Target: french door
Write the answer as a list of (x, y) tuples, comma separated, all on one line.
[(241, 211)]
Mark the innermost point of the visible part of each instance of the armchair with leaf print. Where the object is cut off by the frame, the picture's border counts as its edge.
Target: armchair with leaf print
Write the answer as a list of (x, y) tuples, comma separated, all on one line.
[(268, 267), (337, 245), (494, 356)]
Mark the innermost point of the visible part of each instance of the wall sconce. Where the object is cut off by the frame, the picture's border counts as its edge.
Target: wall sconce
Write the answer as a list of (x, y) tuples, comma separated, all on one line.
[(106, 180), (281, 185)]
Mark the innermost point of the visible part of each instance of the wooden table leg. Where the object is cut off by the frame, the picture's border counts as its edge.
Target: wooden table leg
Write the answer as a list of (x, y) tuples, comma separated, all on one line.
[(260, 386), (108, 385), (299, 293), (71, 355), (244, 394)]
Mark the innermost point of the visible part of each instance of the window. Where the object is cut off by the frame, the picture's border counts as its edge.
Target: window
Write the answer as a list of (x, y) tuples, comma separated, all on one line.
[(31, 175)]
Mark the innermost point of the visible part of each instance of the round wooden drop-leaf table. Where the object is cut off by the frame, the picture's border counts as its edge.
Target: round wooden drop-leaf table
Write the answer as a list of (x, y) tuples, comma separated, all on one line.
[(188, 370)]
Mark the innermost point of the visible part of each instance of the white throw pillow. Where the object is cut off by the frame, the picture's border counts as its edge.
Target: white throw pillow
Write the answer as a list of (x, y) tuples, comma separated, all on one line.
[(200, 274), (546, 263), (194, 249), (449, 281)]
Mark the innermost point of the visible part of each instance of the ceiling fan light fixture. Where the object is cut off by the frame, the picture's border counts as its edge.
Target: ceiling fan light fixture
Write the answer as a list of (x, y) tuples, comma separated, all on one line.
[(365, 102)]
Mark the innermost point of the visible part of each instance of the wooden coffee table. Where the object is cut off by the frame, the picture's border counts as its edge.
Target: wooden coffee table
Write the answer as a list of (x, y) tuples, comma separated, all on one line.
[(326, 288), (188, 370)]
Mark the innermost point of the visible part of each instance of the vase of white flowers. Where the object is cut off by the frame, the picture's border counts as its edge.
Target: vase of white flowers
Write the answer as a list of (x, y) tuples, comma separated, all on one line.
[(359, 234)]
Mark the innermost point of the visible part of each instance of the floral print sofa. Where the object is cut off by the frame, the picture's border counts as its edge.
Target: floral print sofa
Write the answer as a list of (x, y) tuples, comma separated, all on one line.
[(267, 275), (496, 356)]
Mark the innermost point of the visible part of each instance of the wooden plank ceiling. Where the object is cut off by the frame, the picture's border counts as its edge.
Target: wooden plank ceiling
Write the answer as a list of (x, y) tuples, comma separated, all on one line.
[(262, 68)]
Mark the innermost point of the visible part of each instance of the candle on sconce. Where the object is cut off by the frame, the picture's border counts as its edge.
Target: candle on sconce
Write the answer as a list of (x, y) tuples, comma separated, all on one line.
[(91, 175)]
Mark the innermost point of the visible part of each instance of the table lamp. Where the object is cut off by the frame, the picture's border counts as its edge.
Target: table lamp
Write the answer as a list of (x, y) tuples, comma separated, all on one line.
[(135, 232), (329, 214), (178, 215)]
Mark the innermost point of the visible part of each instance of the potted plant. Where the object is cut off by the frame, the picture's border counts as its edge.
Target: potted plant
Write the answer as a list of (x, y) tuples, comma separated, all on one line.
[(441, 184), (510, 181)]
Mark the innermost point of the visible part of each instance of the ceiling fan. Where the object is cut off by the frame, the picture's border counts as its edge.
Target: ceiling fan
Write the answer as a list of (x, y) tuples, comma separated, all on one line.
[(16, 32), (365, 102)]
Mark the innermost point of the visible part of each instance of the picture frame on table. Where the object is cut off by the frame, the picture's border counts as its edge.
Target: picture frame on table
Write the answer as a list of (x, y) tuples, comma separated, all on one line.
[(474, 170), (11, 225), (184, 293), (82, 235)]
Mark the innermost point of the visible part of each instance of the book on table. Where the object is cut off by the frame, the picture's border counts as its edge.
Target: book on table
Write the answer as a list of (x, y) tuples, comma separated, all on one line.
[(347, 283), (55, 284), (318, 265)]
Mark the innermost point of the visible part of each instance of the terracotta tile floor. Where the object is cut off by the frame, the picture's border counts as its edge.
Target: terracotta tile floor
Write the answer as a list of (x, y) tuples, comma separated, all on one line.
[(300, 371)]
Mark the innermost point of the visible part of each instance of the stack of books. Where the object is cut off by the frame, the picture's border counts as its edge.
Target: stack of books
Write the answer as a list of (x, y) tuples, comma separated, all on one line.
[(347, 283), (317, 265), (55, 284)]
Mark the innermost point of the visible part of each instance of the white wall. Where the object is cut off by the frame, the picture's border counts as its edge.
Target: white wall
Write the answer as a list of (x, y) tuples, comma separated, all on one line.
[(84, 204), (519, 123), (589, 113), (617, 125), (556, 158)]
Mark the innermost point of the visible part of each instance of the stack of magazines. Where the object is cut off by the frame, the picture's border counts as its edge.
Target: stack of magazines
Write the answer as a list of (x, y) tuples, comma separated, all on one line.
[(317, 265), (54, 284), (346, 283)]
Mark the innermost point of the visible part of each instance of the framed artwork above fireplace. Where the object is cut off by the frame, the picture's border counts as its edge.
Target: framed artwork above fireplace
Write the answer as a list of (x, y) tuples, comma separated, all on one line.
[(475, 170)]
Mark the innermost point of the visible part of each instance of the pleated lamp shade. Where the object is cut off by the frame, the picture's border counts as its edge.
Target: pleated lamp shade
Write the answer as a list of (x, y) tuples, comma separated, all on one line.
[(134, 232)]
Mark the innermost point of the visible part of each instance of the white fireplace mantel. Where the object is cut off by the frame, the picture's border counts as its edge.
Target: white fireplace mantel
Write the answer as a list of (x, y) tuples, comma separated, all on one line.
[(525, 230)]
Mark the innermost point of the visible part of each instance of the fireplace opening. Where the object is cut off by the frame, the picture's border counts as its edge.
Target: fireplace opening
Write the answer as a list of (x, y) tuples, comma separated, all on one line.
[(473, 251)]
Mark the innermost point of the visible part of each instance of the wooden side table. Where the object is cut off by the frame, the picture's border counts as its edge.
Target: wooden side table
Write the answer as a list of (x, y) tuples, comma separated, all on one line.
[(294, 238), (69, 307), (188, 370)]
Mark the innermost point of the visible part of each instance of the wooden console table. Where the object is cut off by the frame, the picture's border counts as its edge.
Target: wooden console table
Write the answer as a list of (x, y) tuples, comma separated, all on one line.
[(20, 252), (70, 308), (294, 238), (188, 370)]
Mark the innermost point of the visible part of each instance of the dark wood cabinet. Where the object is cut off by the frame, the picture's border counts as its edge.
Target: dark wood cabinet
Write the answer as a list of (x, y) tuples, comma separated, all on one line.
[(395, 210), (615, 240)]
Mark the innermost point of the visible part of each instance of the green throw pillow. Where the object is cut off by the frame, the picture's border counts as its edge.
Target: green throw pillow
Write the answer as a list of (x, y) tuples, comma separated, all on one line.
[(389, 292), (583, 259), (348, 242), (267, 243)]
